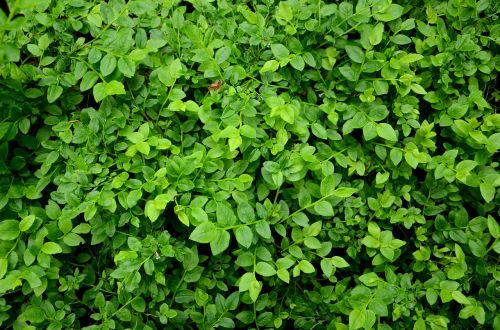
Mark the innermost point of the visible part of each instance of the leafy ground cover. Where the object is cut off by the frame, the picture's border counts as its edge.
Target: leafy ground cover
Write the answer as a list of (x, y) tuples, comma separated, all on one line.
[(249, 164)]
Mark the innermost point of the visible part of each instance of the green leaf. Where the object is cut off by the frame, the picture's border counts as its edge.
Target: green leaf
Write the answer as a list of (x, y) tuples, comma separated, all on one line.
[(493, 227), (487, 191), (51, 248), (297, 63), (324, 208), (225, 215), (263, 229), (88, 80), (108, 65), (220, 243), (339, 262), (99, 92), (284, 275), (411, 159), (355, 53), (26, 223), (369, 279), (114, 88), (138, 304), (53, 93), (4, 265), (376, 34), (254, 289), (306, 267), (72, 239), (244, 236), (389, 14), (222, 55), (386, 131), (204, 233), (271, 65), (344, 192), (126, 66), (396, 156), (356, 319), (265, 269), (280, 51), (9, 230)]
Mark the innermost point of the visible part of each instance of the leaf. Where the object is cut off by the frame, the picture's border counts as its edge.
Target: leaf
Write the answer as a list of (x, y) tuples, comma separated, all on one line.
[(389, 14), (324, 208), (244, 236), (114, 88), (344, 192), (297, 63), (204, 233), (9, 230), (369, 279), (411, 159), (339, 262), (355, 53), (88, 80), (487, 191), (26, 223), (108, 65), (225, 215), (327, 267), (386, 131), (126, 66), (254, 289), (51, 248), (222, 55), (396, 156), (263, 229), (53, 93), (265, 269), (356, 319), (220, 243), (493, 227), (306, 267), (376, 34), (279, 51), (284, 275), (271, 65), (99, 92), (138, 304)]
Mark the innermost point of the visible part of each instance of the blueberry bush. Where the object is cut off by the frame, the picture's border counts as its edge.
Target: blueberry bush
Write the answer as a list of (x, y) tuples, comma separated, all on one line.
[(257, 164)]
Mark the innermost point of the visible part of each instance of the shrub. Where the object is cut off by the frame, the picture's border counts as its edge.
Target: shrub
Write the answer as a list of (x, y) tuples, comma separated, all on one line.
[(249, 164)]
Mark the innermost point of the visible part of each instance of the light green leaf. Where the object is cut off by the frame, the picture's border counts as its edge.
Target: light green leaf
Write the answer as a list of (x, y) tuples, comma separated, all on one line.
[(487, 191), (386, 131), (51, 248), (204, 233), (108, 65), (339, 262), (344, 192), (389, 14), (9, 230), (220, 243), (324, 208), (244, 236), (355, 53), (271, 65), (356, 319), (53, 93), (265, 269), (280, 51), (26, 222)]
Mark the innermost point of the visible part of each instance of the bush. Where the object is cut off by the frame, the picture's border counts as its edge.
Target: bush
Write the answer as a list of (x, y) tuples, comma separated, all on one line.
[(249, 164)]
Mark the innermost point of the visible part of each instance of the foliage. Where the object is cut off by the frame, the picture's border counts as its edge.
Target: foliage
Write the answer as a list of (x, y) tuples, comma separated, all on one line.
[(249, 164)]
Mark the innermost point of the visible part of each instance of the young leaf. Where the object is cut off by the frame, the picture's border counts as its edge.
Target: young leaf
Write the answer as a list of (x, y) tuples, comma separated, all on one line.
[(220, 243), (204, 233)]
